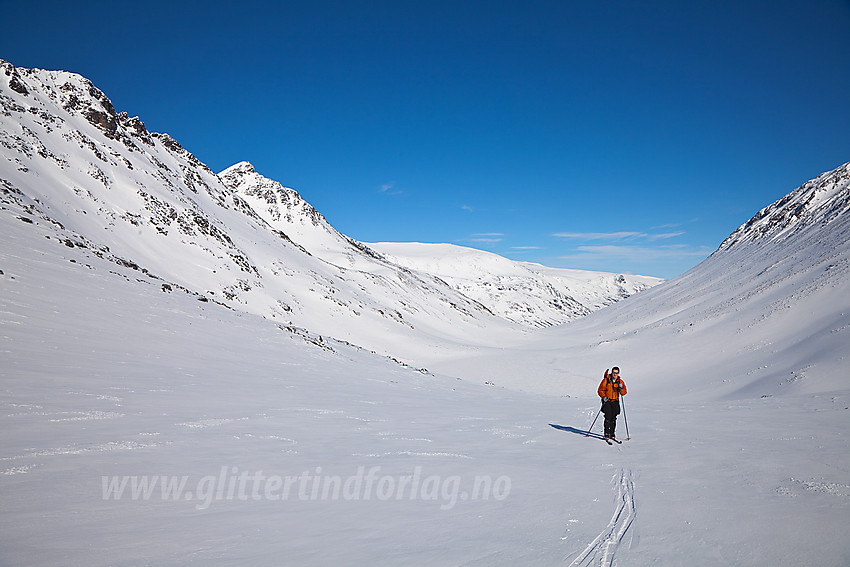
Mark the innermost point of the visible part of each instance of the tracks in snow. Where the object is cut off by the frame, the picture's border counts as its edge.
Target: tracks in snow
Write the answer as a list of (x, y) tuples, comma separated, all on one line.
[(602, 549)]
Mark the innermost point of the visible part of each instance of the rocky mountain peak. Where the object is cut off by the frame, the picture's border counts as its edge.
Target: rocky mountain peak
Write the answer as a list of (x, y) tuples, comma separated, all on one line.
[(136, 126), (816, 203), (14, 78), (271, 199)]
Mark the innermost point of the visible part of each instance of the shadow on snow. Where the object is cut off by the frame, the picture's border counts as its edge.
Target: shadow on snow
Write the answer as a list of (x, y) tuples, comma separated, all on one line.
[(577, 431)]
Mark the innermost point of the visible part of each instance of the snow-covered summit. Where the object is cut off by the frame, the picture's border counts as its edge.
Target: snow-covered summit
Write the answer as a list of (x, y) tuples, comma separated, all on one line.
[(277, 202), (285, 211)]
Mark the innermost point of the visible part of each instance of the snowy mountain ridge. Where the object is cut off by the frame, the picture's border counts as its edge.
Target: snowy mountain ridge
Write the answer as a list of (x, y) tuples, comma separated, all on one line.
[(815, 203), (138, 198), (108, 187), (283, 209), (534, 296)]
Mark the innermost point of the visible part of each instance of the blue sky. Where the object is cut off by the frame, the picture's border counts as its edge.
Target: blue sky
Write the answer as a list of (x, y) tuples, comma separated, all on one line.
[(608, 135)]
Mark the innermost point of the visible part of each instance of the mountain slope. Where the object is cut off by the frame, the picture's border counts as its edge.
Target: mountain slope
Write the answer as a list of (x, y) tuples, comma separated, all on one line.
[(766, 314), (102, 182), (106, 184)]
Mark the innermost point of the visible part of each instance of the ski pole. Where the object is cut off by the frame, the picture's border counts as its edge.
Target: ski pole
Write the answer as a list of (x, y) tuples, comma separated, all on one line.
[(594, 423), (625, 419)]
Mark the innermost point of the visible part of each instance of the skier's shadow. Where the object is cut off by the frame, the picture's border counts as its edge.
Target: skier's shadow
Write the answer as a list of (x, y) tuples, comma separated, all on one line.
[(576, 431)]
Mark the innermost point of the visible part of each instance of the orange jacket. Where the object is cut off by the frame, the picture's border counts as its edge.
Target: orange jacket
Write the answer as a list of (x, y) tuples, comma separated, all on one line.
[(611, 388)]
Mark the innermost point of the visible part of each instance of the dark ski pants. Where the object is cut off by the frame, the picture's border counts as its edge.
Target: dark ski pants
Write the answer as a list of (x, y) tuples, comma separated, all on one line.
[(611, 409)]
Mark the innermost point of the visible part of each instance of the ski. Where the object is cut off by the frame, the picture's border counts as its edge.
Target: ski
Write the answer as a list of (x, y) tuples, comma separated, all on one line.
[(607, 440)]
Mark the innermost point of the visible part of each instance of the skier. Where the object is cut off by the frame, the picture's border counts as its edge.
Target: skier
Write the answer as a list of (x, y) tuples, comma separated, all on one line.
[(610, 390)]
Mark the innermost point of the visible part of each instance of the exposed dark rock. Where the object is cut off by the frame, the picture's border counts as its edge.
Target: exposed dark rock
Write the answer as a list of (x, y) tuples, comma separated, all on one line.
[(108, 123), (135, 125), (15, 82), (126, 263)]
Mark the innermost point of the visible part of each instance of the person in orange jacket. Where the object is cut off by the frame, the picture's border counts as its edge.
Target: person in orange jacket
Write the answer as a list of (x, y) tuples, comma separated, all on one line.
[(610, 390)]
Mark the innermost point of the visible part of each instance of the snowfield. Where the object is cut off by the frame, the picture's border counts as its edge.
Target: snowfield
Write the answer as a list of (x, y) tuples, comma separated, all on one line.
[(518, 291), (218, 377)]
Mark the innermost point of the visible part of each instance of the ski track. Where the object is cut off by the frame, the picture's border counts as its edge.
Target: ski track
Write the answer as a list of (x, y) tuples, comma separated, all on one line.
[(601, 550)]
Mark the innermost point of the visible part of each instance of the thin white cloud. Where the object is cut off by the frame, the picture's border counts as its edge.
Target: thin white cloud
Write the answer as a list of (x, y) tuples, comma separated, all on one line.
[(623, 235), (389, 189), (467, 208), (599, 235), (665, 235), (487, 237), (636, 253), (675, 224)]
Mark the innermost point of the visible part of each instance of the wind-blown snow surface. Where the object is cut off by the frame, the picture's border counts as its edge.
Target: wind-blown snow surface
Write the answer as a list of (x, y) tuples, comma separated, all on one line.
[(296, 449)]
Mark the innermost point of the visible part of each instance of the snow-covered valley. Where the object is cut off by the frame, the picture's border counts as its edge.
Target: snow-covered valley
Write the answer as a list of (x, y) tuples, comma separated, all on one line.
[(211, 352)]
